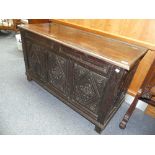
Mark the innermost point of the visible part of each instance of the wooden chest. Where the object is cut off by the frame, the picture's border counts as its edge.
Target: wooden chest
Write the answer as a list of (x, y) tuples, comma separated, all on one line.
[(88, 72)]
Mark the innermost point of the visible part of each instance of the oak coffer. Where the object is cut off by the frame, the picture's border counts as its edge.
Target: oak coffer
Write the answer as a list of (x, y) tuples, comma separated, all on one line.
[(88, 72)]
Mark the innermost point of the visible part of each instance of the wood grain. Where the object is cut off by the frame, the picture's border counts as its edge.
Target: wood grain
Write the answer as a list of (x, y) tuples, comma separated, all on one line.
[(136, 31), (114, 51), (150, 110)]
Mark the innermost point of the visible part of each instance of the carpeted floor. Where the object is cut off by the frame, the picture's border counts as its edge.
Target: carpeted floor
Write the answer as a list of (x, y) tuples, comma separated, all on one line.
[(26, 108)]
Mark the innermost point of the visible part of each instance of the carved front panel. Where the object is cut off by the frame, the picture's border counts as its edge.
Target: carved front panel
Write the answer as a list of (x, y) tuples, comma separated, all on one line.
[(57, 71), (37, 60), (87, 87)]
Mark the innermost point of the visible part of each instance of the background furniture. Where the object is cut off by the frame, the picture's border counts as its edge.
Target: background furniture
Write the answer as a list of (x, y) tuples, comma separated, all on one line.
[(90, 73), (38, 21), (9, 24), (146, 93)]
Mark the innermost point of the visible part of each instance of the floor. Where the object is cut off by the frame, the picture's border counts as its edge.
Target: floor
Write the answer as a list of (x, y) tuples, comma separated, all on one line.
[(26, 108)]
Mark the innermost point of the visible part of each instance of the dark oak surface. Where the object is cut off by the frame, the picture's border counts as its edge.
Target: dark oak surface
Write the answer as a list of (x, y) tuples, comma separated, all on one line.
[(137, 31), (116, 52), (69, 64)]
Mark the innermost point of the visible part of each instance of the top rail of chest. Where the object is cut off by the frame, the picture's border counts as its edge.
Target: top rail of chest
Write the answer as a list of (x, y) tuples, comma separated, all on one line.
[(119, 53)]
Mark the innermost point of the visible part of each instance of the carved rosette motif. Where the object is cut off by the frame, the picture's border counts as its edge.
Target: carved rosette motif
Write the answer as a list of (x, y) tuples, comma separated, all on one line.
[(88, 87)]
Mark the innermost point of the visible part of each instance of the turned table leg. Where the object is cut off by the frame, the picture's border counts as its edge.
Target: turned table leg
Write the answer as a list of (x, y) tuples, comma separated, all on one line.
[(128, 114)]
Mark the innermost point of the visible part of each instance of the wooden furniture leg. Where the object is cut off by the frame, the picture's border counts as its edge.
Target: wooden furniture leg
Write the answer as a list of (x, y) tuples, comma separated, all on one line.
[(98, 130), (28, 77), (128, 114)]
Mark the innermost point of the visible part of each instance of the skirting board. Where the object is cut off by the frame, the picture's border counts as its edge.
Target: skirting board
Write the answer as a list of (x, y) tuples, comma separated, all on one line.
[(141, 105)]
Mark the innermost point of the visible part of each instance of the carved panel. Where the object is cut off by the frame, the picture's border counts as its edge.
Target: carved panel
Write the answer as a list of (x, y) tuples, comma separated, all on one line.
[(87, 87), (57, 71), (37, 60)]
